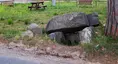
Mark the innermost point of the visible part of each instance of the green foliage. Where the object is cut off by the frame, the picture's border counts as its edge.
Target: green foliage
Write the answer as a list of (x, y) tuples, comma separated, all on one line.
[(10, 33), (27, 21), (10, 21), (55, 13)]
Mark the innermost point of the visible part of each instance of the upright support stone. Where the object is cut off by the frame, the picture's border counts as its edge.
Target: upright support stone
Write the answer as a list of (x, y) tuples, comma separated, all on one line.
[(86, 34)]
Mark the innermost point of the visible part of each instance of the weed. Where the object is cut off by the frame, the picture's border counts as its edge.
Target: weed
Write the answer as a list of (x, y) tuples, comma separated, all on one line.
[(10, 21), (27, 21), (55, 13)]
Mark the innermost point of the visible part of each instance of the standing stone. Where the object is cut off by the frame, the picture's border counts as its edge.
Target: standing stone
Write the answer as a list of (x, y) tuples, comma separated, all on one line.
[(35, 29), (52, 36), (58, 36), (86, 34), (67, 38)]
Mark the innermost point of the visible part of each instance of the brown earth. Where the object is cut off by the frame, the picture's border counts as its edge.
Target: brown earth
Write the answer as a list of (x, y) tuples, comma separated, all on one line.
[(53, 53)]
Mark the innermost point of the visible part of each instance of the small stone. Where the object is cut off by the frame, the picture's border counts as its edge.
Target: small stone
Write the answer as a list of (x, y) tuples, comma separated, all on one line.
[(28, 34), (52, 36), (32, 26), (40, 52), (61, 55), (35, 29), (12, 45), (54, 53), (31, 49), (48, 49), (75, 55)]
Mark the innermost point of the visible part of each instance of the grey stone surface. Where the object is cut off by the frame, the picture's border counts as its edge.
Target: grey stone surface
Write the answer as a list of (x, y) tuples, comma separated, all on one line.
[(93, 19), (86, 34), (68, 23), (32, 26), (58, 36), (83, 36), (71, 28), (28, 34), (52, 36), (35, 29), (68, 38)]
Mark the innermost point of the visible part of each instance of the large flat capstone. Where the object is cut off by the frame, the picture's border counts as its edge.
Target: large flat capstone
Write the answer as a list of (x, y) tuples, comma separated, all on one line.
[(67, 23)]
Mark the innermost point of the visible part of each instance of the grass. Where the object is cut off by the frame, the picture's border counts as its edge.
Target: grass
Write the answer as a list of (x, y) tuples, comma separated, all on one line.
[(18, 17), (14, 21)]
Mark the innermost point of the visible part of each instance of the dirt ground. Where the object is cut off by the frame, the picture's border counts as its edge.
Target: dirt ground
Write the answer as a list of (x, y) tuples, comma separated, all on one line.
[(46, 53)]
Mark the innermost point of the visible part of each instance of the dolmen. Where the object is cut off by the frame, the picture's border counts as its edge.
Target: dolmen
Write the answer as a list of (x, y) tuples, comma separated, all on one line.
[(74, 27)]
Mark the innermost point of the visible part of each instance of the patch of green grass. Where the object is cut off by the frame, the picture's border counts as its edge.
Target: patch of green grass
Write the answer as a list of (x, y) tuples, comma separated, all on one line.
[(10, 33), (102, 44)]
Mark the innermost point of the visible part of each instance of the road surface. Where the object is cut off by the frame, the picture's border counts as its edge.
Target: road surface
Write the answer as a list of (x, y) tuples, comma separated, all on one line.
[(11, 60)]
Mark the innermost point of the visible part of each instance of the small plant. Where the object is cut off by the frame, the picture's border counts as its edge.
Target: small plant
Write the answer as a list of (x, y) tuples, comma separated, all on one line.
[(27, 21), (2, 18), (10, 21), (55, 13)]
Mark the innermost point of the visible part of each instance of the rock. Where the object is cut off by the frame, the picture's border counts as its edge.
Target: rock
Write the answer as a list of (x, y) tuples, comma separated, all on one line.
[(52, 36), (35, 29), (75, 55), (31, 49), (58, 36), (12, 45), (40, 52), (67, 23), (28, 34), (74, 38), (48, 49), (32, 26), (93, 19), (86, 34), (65, 55), (68, 38)]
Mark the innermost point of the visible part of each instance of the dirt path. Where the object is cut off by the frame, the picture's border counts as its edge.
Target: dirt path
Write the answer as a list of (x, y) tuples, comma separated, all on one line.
[(29, 54)]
